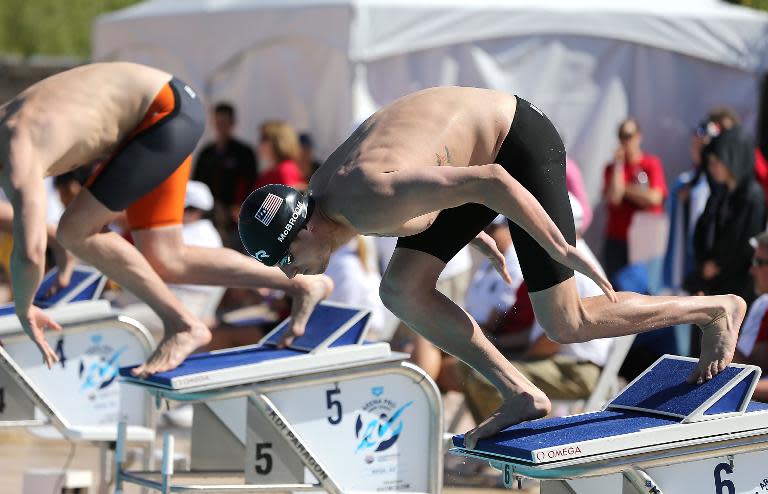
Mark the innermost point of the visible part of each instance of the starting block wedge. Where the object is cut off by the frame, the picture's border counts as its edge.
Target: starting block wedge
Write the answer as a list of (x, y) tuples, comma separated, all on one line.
[(652, 427)]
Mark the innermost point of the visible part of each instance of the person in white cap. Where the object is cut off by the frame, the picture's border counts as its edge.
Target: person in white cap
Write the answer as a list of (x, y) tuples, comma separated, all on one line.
[(197, 229)]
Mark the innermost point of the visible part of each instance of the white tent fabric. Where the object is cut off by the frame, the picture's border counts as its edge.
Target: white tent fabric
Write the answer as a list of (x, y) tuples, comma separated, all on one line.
[(325, 65)]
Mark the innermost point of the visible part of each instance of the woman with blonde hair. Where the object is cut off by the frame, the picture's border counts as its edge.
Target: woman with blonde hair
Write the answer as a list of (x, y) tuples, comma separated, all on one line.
[(278, 152)]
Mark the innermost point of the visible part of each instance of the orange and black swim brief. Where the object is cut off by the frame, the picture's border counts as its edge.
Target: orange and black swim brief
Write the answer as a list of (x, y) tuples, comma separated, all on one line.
[(147, 176)]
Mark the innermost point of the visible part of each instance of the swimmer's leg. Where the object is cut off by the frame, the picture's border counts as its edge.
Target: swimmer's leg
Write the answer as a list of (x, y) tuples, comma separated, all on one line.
[(408, 290), (177, 262), (576, 319), (568, 319), (80, 231), (429, 188)]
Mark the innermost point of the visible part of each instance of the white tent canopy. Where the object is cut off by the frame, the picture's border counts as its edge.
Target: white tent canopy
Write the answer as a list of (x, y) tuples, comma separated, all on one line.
[(325, 65)]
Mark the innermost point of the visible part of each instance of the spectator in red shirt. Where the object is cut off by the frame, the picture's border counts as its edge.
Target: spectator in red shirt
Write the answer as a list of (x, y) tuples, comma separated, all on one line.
[(633, 182), (278, 152)]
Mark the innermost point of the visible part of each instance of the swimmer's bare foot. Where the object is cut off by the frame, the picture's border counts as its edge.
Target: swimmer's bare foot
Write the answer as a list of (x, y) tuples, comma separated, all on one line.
[(174, 348), (516, 409), (308, 292), (718, 339)]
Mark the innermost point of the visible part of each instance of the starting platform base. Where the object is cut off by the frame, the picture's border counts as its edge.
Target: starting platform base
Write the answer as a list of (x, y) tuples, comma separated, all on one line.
[(369, 428), (740, 468), (659, 435), (332, 413)]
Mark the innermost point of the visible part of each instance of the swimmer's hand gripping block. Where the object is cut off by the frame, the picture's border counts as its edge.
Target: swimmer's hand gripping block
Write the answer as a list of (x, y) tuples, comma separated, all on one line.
[(334, 334), (659, 407)]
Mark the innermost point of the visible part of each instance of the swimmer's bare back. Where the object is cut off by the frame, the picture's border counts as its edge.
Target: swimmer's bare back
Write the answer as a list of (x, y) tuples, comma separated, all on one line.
[(78, 116), (446, 126)]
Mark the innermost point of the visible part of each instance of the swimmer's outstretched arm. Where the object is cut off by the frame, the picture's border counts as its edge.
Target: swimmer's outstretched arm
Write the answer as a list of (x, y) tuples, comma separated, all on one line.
[(426, 189), (24, 187), (65, 261)]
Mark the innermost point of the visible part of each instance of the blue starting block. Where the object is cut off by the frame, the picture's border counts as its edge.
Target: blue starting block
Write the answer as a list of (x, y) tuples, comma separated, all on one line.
[(659, 434), (87, 284), (334, 338), (330, 412)]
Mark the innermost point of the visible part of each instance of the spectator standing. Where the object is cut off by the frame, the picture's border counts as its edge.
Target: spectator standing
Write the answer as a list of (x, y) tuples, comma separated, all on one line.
[(633, 182), (726, 118), (308, 163), (229, 168), (735, 212), (279, 150), (752, 347), (685, 204)]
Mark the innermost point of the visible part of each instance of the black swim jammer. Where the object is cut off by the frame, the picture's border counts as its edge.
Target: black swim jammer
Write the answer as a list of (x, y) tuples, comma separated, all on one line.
[(154, 150), (533, 153)]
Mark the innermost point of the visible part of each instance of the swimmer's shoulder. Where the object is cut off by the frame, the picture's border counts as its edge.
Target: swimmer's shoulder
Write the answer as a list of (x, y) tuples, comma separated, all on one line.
[(455, 93), (103, 77), (343, 193)]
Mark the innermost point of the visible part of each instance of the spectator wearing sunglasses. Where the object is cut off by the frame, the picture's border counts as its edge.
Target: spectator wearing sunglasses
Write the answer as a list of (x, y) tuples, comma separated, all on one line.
[(752, 347), (633, 182)]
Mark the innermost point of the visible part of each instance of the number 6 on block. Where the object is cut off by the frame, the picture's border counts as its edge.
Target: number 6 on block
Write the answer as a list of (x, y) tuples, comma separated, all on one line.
[(508, 476)]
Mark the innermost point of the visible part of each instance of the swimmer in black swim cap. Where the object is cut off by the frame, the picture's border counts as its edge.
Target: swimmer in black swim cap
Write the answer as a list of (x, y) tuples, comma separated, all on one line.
[(434, 168), (270, 218)]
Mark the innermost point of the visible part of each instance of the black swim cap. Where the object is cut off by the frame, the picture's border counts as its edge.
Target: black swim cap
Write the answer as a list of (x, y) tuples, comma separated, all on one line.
[(270, 218)]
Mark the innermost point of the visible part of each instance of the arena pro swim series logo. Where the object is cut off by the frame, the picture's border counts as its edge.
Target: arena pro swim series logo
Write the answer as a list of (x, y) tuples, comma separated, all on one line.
[(382, 432), (99, 366)]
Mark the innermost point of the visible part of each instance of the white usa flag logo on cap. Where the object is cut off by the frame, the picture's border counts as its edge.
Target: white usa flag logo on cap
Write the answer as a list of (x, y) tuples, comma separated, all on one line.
[(268, 209)]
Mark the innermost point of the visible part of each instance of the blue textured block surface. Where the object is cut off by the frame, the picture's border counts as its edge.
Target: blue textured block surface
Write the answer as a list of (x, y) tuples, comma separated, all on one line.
[(77, 278), (733, 399), (756, 406), (353, 335), (323, 322), (519, 441), (206, 362), (325, 319), (664, 388)]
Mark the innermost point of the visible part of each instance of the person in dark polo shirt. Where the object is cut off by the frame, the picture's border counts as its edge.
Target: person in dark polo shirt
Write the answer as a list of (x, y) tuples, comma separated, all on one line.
[(229, 167)]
